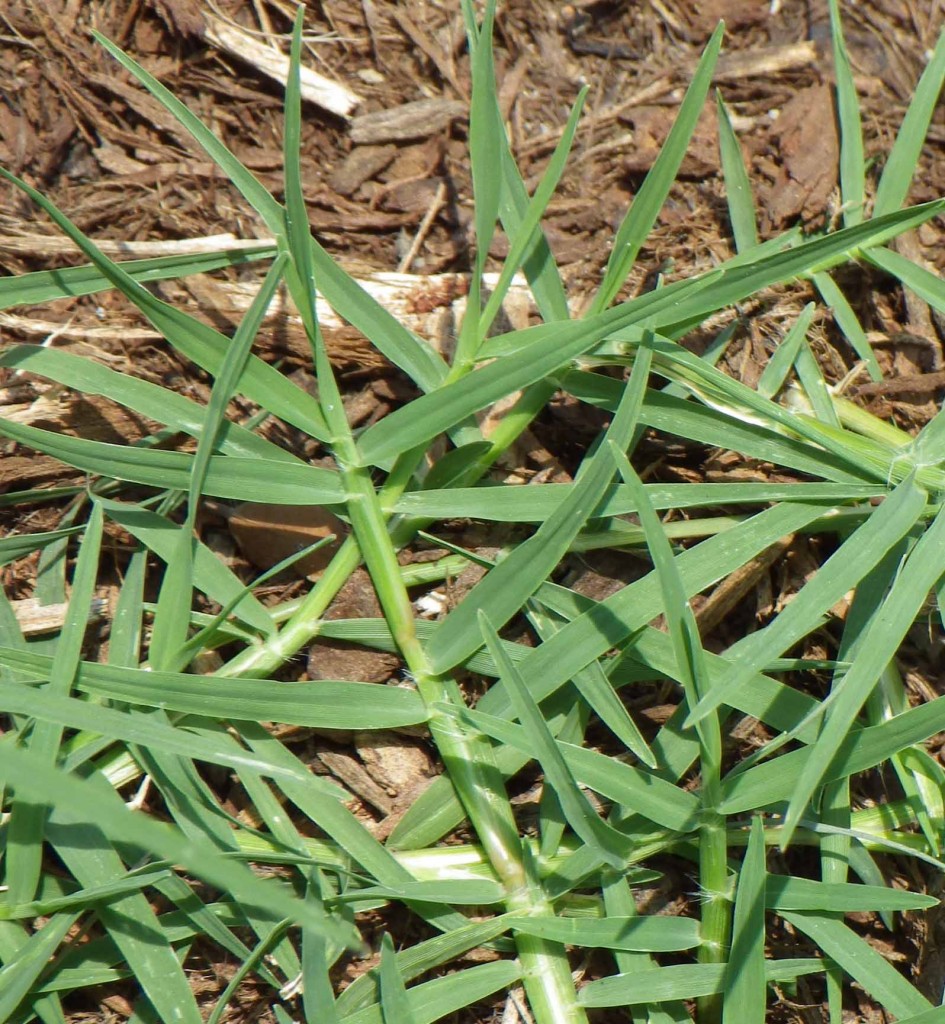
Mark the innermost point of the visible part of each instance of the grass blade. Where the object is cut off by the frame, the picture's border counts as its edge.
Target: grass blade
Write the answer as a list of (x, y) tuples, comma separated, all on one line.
[(645, 794), (287, 483), (783, 892), (903, 158), (741, 206), (642, 215), (333, 705), (145, 398), (682, 981), (46, 285), (745, 984), (775, 781), (205, 346), (344, 294), (779, 365), (395, 1004), (906, 596), (611, 846), (484, 148), (21, 970), (210, 575), (852, 161), (506, 588), (848, 322), (861, 962), (523, 238), (24, 850), (893, 519), (175, 599), (443, 996), (649, 934), (83, 800)]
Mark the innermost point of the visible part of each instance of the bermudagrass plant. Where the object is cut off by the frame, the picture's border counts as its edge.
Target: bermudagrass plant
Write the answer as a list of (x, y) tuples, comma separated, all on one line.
[(531, 897)]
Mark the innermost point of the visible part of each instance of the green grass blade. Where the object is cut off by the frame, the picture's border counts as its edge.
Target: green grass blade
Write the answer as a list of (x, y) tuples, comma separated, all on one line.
[(250, 962), (605, 625), (779, 365), (395, 1004), (444, 996), (485, 142), (784, 892), (775, 781), (906, 596), (349, 300), (135, 728), (415, 960), (538, 263), (24, 849), (649, 934), (12, 548), (741, 206), (696, 297), (619, 902), (48, 285), (21, 971), (610, 845), (204, 921), (862, 962), (85, 800), (928, 448), (297, 232), (923, 782), (287, 483), (506, 588), (680, 621), (552, 821), (715, 426), (420, 421), (934, 1016), (891, 521), (130, 921), (145, 398), (903, 158), (848, 322), (472, 892), (535, 503), (523, 239), (682, 981), (928, 286), (228, 378), (852, 161), (324, 704), (745, 984), (343, 827), (647, 203), (594, 686), (172, 615), (210, 575), (318, 999), (815, 387), (191, 336), (642, 792)]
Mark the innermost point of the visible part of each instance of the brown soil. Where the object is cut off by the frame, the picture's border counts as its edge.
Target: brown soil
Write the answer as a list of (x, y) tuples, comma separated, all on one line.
[(394, 193)]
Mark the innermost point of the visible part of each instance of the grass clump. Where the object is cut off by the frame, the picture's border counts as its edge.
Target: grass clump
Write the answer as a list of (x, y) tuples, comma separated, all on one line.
[(144, 890)]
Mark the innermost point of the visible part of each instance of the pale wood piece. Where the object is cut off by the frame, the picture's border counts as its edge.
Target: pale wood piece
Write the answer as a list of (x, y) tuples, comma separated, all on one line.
[(315, 88)]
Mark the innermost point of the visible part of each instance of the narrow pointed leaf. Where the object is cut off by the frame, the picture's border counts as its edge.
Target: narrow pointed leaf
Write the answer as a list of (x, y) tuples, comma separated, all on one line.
[(745, 983), (611, 845), (741, 206), (861, 962)]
